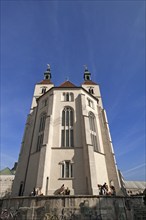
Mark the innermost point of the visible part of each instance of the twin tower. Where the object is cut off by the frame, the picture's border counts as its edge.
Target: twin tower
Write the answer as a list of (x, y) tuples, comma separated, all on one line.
[(66, 141)]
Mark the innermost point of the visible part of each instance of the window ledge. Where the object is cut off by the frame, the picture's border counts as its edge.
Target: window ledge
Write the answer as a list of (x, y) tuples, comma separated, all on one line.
[(99, 152), (67, 101), (66, 178), (66, 148)]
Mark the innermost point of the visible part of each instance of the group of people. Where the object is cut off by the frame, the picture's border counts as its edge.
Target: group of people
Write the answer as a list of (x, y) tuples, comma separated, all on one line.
[(62, 191), (104, 190)]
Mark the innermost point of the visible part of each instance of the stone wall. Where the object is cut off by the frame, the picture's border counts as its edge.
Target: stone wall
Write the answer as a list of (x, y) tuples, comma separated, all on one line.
[(73, 208), (6, 185)]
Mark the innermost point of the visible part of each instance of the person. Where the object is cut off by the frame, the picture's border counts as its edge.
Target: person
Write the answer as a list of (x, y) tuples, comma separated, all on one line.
[(100, 187), (67, 191), (59, 191), (113, 191), (38, 191), (62, 189), (33, 193), (105, 188)]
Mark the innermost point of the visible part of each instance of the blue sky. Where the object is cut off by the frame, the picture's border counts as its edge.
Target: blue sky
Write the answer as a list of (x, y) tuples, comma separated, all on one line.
[(108, 36)]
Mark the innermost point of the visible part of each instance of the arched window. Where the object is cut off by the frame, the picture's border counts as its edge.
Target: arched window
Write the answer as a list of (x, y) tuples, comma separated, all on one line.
[(87, 77), (91, 90), (93, 132), (67, 97), (67, 127), (41, 131), (44, 89), (71, 96)]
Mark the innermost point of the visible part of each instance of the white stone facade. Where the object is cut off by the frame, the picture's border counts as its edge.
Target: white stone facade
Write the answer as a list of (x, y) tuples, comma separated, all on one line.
[(66, 141)]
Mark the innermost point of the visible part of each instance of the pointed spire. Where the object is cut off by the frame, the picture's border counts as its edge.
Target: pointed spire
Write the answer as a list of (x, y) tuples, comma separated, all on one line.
[(87, 74), (47, 73)]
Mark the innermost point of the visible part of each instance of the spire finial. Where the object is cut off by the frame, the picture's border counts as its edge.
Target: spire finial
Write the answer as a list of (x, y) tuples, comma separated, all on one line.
[(85, 66), (67, 78), (87, 74), (48, 66), (47, 73)]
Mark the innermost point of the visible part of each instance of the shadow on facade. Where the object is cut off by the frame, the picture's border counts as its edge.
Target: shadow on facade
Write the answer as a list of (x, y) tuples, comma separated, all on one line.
[(80, 181)]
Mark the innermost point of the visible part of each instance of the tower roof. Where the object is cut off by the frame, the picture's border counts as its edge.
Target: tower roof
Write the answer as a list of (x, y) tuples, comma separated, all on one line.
[(67, 84), (45, 81), (89, 82)]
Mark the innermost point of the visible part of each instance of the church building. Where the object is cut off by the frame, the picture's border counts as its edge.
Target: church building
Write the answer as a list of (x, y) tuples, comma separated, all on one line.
[(66, 141)]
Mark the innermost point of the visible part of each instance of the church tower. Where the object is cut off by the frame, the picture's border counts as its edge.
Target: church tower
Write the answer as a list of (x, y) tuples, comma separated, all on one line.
[(66, 141)]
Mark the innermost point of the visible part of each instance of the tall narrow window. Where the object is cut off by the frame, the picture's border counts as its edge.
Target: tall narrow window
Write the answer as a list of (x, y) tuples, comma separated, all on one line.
[(67, 127), (41, 131), (93, 132), (67, 96), (90, 103), (71, 96), (21, 189), (44, 103)]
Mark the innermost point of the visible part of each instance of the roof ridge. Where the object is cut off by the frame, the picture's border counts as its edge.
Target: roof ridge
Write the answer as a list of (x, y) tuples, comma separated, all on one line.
[(67, 83), (6, 171)]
